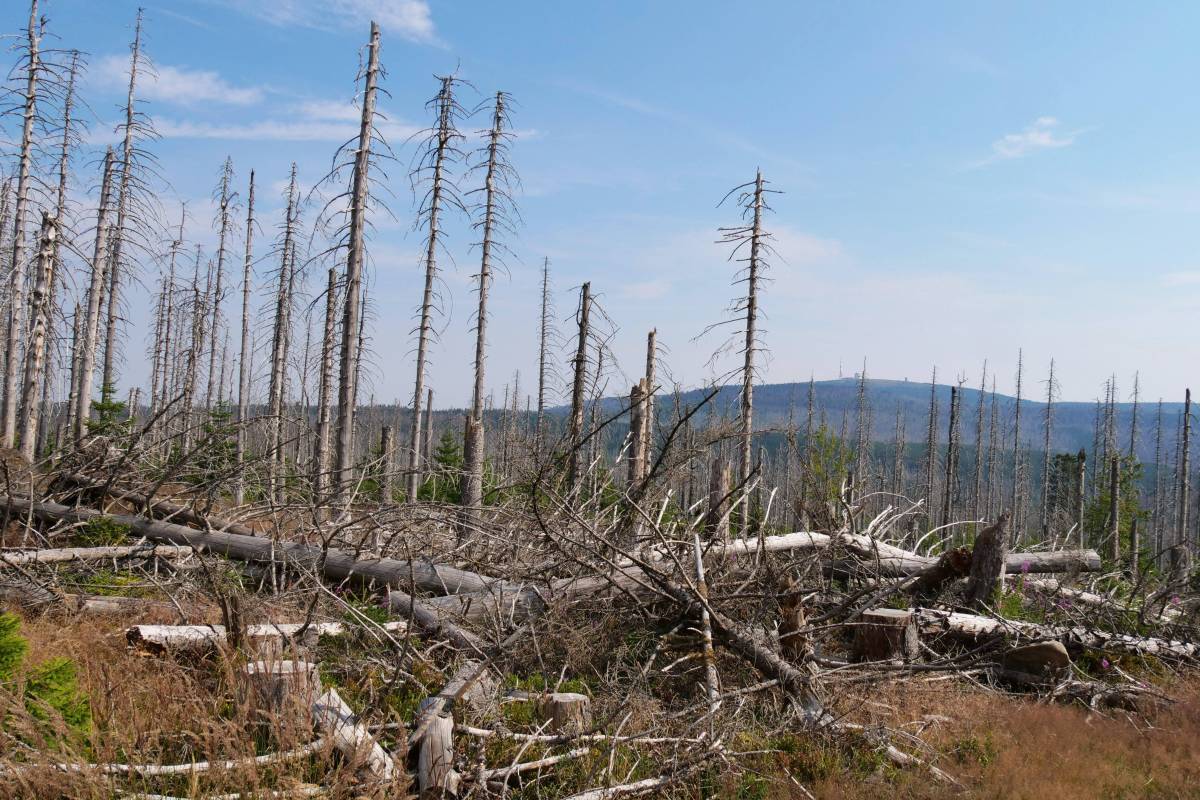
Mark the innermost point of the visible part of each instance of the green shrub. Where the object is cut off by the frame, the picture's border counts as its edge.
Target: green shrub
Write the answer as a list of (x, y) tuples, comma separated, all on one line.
[(51, 688), (101, 532)]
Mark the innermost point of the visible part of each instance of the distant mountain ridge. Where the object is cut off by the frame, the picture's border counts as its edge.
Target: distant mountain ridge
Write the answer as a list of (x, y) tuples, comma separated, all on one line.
[(1072, 422)]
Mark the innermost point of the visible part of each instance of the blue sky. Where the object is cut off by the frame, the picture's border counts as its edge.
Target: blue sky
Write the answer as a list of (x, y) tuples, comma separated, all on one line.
[(960, 180)]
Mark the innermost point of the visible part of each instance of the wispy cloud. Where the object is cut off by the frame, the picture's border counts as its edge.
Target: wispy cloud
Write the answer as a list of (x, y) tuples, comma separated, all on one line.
[(311, 121), (410, 19), (176, 85), (1043, 134)]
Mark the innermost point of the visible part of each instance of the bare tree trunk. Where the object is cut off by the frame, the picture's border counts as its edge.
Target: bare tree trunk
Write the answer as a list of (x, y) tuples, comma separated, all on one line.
[(224, 198), (578, 386), (387, 480), (1181, 525), (543, 352), (123, 193), (427, 459), (1156, 533), (325, 389), (16, 309), (753, 278), (1017, 520), (651, 358), (355, 258), (87, 349), (951, 457), (280, 340), (471, 489), (1046, 455), (1133, 423), (243, 409), (1114, 510), (993, 447), (931, 450), (977, 493), (1081, 497), (31, 397)]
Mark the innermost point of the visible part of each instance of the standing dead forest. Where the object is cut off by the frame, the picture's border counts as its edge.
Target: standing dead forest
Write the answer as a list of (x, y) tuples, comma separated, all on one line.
[(247, 579)]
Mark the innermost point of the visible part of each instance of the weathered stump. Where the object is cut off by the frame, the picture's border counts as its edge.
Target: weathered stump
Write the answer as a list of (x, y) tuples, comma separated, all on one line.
[(1040, 662), (567, 712), (988, 564), (436, 776), (886, 634)]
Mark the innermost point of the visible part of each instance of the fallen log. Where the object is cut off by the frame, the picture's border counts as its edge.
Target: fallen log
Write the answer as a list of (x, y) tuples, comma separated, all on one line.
[(161, 639), (160, 509), (974, 627), (60, 555), (333, 564)]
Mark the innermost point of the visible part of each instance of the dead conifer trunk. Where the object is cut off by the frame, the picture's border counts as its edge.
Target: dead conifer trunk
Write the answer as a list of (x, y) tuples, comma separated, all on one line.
[(544, 329), (1081, 497), (442, 150), (355, 259), (122, 223), (931, 450), (753, 279), (280, 339), (579, 386), (1046, 454), (1181, 525), (471, 490), (91, 329), (40, 312), (325, 388), (977, 493), (1114, 510), (224, 198), (243, 409), (1015, 507), (16, 296)]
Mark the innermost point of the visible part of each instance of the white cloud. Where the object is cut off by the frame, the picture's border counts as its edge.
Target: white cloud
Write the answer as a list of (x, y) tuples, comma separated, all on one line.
[(311, 121), (178, 85), (1043, 134), (1174, 279), (410, 19)]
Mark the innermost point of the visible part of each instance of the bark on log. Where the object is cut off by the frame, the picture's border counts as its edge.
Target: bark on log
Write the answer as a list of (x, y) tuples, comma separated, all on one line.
[(160, 639), (334, 564), (21, 558), (972, 627)]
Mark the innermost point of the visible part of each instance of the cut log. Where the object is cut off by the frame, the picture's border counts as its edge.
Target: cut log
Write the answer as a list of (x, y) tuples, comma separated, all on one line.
[(886, 634), (950, 566), (284, 690)]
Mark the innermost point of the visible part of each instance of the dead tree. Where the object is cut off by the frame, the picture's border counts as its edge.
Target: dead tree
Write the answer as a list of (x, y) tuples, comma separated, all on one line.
[(1181, 518), (1114, 510), (546, 338), (931, 445), (952, 448), (135, 126), (651, 359), (1049, 422), (496, 216), (39, 312), (1017, 520), (1133, 422), (225, 197), (753, 240), (16, 291), (977, 493), (91, 328), (579, 386), (1081, 496), (439, 153), (325, 388), (243, 407), (281, 335), (355, 263)]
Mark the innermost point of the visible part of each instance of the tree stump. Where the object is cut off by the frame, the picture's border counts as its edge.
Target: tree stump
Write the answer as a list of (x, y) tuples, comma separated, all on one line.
[(792, 621), (436, 776), (987, 564), (567, 712), (287, 692), (886, 634)]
